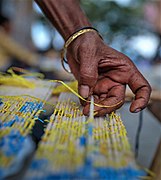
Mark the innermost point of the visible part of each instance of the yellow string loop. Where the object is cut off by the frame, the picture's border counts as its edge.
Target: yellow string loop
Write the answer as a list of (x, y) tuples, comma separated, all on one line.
[(75, 93)]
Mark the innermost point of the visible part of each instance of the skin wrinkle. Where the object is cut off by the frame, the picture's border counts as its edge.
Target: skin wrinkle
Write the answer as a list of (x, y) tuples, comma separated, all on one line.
[(123, 68), (140, 95), (105, 71), (111, 61), (93, 62), (134, 82)]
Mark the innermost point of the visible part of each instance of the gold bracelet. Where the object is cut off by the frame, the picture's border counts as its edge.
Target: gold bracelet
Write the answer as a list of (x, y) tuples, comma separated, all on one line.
[(68, 42)]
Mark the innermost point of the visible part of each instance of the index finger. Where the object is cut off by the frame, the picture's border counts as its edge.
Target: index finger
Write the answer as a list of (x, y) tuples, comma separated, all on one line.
[(142, 90)]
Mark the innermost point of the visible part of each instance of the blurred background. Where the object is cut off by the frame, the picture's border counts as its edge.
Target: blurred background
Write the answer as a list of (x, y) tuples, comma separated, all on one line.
[(132, 27), (28, 40)]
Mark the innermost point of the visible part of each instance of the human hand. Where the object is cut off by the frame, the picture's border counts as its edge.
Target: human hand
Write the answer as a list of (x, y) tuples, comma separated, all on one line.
[(104, 72)]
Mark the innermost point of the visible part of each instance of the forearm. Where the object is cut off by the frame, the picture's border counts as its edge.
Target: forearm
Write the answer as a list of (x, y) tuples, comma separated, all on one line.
[(65, 15)]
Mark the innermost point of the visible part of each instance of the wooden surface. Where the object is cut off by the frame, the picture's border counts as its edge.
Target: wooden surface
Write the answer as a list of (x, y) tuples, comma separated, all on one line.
[(155, 108), (156, 164)]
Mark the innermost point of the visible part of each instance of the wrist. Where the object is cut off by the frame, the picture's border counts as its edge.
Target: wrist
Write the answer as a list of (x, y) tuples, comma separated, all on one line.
[(83, 31), (87, 39), (74, 42), (82, 42), (75, 27), (85, 35)]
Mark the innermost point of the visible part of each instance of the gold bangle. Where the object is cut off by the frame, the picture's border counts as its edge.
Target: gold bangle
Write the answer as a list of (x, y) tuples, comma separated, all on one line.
[(68, 42)]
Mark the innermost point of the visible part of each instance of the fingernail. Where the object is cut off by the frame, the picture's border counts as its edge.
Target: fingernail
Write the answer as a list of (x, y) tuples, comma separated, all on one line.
[(84, 91), (137, 110)]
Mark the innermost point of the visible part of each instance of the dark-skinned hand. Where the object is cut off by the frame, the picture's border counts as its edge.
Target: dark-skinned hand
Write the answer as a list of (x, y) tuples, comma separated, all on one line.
[(103, 72)]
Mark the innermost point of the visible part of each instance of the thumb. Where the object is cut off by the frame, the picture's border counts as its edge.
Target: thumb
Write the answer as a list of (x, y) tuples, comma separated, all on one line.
[(88, 76)]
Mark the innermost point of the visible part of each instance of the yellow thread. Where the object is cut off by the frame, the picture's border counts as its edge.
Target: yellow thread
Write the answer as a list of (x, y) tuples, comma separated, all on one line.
[(26, 95), (76, 130), (61, 88), (16, 81), (25, 72), (75, 93), (151, 173), (19, 80)]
